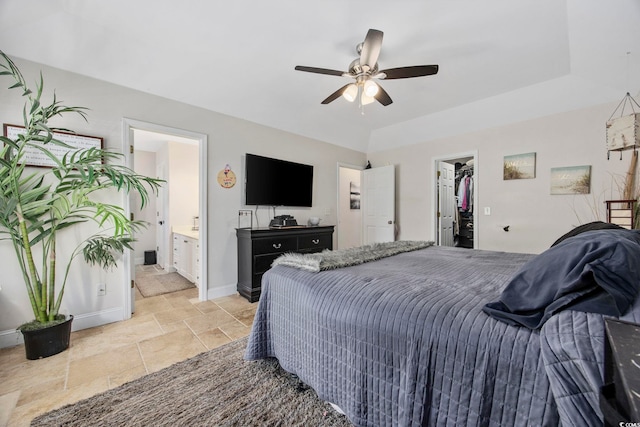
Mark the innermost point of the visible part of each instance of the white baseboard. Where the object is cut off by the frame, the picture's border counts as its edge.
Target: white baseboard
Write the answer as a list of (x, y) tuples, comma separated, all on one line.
[(98, 318), (223, 291), (139, 260), (12, 338)]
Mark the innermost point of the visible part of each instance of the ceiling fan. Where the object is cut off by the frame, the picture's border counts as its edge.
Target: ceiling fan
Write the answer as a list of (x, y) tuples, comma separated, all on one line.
[(365, 71)]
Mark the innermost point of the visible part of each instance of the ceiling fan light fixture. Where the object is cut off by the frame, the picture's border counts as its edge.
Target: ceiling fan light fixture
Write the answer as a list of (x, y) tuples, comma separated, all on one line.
[(364, 99), (350, 93), (366, 73), (370, 88)]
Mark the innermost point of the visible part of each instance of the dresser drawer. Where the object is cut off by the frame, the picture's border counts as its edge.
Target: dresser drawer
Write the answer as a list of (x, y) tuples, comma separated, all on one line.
[(315, 242), (262, 263), (274, 244)]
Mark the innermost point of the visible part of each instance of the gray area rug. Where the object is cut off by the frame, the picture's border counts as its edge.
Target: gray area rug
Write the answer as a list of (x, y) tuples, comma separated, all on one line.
[(215, 388), (158, 284)]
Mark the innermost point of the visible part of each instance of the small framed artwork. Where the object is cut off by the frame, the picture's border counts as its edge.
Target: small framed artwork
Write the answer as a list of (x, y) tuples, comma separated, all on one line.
[(245, 218), (571, 180), (354, 194), (519, 166)]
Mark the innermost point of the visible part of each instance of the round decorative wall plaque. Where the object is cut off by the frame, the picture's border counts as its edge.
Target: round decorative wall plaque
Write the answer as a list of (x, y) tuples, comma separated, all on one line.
[(226, 177)]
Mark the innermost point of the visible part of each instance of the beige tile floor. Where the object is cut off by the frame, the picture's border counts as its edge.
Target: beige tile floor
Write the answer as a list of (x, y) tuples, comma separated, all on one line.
[(165, 329)]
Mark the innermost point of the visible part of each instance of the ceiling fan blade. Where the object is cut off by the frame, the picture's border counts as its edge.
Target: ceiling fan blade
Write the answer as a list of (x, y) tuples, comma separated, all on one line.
[(335, 95), (320, 70), (407, 72), (382, 96), (371, 49)]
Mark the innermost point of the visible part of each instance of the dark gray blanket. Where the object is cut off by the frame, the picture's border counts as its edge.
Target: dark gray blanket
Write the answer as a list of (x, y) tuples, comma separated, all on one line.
[(594, 272), (403, 341)]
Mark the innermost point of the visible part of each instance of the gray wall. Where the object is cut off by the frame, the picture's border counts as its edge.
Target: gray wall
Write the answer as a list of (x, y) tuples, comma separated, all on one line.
[(535, 217)]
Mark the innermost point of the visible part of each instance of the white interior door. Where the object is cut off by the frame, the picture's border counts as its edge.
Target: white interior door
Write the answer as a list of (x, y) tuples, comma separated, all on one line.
[(446, 203), (161, 222), (378, 204)]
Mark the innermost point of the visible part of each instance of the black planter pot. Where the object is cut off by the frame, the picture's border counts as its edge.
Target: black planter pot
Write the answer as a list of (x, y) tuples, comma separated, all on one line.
[(46, 342)]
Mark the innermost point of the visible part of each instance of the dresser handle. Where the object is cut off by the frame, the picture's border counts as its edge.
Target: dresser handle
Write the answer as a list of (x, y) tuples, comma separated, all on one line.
[(315, 241), (277, 245)]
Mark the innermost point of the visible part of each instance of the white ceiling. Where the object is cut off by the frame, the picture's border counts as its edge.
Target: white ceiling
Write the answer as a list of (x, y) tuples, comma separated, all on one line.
[(500, 60)]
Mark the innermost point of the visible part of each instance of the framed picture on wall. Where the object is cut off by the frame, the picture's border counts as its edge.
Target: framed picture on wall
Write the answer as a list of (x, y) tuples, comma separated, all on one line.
[(354, 195), (35, 157), (571, 180), (519, 166)]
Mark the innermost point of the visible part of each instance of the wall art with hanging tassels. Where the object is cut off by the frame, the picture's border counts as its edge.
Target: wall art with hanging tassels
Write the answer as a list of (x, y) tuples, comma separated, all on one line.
[(623, 132)]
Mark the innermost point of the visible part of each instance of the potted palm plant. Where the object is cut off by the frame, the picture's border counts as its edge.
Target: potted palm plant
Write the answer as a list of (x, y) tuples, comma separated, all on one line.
[(38, 206)]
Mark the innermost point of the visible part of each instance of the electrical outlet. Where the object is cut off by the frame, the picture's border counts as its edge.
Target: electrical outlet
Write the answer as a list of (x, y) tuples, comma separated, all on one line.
[(102, 289)]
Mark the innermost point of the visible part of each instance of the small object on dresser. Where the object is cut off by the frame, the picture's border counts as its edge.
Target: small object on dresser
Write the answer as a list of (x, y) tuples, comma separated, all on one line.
[(314, 221), (283, 221), (245, 218)]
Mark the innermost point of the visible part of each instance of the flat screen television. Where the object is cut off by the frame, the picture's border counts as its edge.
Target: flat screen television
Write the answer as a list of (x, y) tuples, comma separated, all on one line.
[(275, 182)]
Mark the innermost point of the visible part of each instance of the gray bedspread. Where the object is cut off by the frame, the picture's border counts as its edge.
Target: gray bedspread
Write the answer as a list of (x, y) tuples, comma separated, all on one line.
[(403, 341)]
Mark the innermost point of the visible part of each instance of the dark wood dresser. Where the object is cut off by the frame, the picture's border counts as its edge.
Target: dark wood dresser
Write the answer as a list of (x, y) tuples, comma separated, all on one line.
[(258, 247)]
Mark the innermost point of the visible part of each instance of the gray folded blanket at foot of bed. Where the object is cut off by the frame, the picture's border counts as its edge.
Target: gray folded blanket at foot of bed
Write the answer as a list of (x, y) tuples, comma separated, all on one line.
[(330, 260)]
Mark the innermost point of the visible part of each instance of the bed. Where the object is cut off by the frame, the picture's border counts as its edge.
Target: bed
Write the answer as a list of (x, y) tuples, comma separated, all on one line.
[(406, 340)]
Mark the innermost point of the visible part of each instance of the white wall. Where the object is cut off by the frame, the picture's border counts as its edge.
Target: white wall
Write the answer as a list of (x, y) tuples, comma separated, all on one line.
[(145, 164), (229, 139), (535, 217), (182, 183)]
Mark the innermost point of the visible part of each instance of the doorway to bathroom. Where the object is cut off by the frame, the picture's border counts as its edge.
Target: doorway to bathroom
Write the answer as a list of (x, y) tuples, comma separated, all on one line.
[(178, 157)]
